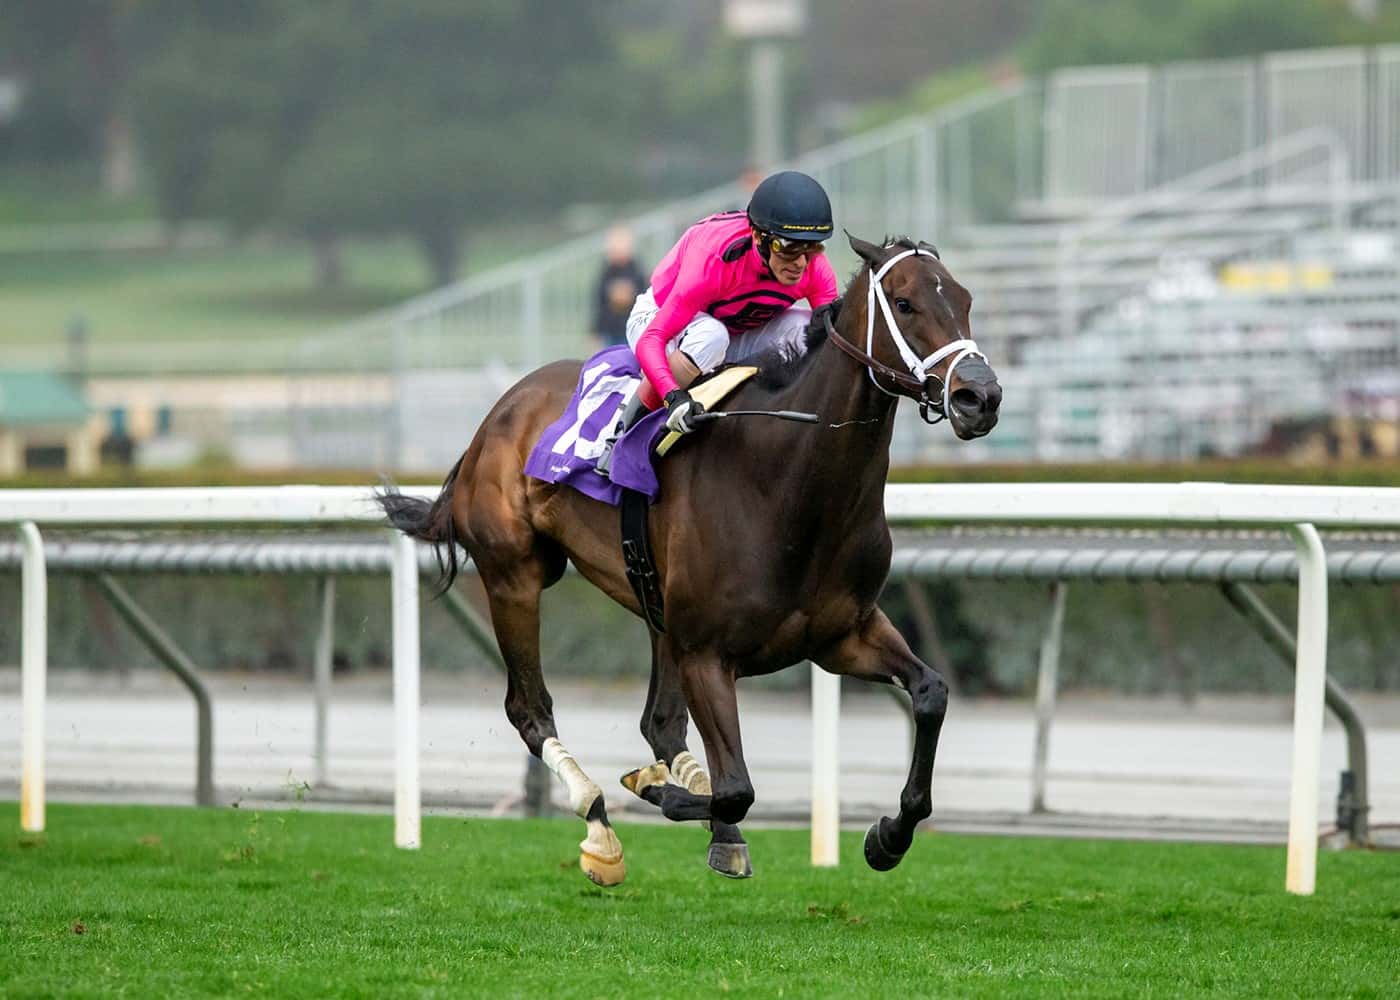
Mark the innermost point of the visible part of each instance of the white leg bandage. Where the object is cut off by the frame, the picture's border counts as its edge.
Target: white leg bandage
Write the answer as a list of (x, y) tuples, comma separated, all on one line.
[(602, 850), (689, 774), (582, 790)]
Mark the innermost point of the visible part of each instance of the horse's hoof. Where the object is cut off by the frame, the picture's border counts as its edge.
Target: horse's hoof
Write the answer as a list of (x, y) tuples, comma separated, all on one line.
[(731, 860), (646, 777), (602, 871), (876, 854)]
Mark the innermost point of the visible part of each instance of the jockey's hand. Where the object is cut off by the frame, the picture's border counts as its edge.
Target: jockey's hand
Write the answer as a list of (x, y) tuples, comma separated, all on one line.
[(681, 411)]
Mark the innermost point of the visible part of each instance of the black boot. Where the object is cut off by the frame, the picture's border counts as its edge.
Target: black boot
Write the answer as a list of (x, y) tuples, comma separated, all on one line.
[(630, 414)]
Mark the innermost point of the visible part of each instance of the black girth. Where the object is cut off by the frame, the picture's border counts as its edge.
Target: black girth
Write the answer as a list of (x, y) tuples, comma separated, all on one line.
[(638, 560)]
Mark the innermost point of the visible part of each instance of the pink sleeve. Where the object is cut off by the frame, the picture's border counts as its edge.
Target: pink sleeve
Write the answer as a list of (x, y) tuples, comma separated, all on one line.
[(821, 286), (686, 299)]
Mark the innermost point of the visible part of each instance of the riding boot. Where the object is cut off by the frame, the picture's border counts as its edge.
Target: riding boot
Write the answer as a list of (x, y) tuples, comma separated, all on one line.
[(631, 413), (683, 370)]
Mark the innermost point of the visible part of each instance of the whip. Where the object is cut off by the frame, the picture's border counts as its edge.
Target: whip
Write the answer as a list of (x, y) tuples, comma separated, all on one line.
[(794, 415)]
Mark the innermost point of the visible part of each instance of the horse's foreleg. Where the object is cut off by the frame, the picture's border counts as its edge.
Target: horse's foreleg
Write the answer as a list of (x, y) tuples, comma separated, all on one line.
[(677, 783), (877, 652), (708, 684)]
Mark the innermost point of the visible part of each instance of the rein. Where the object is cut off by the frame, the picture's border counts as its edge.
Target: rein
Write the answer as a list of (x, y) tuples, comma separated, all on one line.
[(916, 382)]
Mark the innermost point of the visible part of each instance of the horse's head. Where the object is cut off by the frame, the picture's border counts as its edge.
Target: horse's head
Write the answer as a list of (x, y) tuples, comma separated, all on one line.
[(915, 319)]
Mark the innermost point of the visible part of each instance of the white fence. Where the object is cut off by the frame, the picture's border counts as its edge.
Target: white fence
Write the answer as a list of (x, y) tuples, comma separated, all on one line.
[(1300, 510)]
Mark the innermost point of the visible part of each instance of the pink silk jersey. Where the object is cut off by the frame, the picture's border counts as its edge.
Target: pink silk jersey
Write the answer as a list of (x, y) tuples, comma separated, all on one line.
[(714, 268)]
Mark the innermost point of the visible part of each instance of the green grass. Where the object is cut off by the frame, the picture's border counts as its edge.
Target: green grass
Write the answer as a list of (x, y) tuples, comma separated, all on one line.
[(223, 296), (262, 290), (162, 902)]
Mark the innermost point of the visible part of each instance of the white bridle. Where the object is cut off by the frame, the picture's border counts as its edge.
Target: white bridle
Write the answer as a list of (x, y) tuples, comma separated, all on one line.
[(920, 368)]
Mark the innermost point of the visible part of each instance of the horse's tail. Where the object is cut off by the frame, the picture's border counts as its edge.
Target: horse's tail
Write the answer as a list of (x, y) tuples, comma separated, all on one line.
[(428, 521)]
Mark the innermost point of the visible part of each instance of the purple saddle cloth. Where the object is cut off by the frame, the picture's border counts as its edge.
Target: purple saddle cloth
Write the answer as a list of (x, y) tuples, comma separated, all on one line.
[(568, 449)]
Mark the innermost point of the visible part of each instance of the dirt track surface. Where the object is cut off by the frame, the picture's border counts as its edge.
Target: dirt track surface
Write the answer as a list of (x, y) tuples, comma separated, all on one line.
[(1220, 768)]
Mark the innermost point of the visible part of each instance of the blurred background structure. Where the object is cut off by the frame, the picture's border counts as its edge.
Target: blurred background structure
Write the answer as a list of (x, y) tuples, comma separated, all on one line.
[(296, 241), (1180, 227)]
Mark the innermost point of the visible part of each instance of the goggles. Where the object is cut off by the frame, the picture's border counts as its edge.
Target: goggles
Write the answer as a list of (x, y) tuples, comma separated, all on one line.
[(792, 249)]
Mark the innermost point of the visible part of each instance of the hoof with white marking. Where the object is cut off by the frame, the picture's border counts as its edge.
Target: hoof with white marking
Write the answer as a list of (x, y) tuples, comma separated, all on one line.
[(646, 777), (603, 871), (731, 860)]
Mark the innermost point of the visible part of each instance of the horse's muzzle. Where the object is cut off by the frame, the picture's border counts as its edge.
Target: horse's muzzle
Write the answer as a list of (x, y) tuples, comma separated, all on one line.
[(974, 400)]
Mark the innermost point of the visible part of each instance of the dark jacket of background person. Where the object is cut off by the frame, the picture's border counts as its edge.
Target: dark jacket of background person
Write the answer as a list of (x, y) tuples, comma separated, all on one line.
[(618, 287)]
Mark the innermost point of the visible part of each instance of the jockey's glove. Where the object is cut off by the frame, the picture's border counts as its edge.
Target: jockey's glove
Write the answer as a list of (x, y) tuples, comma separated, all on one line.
[(681, 411)]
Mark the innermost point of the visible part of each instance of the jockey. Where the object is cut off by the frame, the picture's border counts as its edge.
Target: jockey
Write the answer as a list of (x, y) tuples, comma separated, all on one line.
[(728, 290)]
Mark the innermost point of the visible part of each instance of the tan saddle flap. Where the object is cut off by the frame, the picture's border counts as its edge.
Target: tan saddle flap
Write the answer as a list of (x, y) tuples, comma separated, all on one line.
[(709, 394)]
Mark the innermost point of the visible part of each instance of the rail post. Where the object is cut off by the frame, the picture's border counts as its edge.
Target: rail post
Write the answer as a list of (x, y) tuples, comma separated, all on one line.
[(826, 771), (407, 793), (1309, 686), (1047, 685), (321, 674), (34, 666)]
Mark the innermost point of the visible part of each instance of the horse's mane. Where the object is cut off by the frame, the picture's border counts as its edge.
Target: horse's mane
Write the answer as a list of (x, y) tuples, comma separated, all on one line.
[(779, 367)]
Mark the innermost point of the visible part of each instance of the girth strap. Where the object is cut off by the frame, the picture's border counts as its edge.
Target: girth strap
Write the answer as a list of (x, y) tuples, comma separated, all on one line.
[(637, 559)]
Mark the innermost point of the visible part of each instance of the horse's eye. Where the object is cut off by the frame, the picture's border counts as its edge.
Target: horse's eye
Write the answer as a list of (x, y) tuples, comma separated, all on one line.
[(902, 305)]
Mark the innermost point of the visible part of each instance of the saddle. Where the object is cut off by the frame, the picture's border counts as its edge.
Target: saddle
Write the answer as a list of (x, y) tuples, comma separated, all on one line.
[(636, 536)]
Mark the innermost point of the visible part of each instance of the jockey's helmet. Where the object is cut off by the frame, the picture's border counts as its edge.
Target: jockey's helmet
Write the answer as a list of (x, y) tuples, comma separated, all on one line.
[(791, 206)]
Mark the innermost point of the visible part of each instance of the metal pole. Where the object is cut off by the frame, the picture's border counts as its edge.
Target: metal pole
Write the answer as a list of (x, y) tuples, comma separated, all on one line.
[(826, 795), (1309, 685), (398, 350), (926, 181), (169, 653), (321, 674), (1338, 178), (34, 665), (408, 803), (1281, 641), (533, 319), (1046, 686), (765, 120), (476, 629)]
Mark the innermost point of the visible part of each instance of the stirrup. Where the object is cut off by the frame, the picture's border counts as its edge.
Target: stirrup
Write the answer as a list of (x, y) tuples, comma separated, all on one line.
[(631, 413)]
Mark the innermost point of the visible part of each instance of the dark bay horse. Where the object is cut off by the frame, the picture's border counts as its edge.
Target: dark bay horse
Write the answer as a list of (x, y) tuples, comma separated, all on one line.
[(769, 537)]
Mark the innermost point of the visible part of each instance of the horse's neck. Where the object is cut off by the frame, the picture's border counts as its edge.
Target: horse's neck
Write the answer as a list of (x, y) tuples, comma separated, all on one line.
[(849, 449)]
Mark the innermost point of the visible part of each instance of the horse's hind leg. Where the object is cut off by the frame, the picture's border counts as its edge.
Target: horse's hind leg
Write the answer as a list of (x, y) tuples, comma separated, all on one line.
[(678, 783), (877, 652), (513, 582)]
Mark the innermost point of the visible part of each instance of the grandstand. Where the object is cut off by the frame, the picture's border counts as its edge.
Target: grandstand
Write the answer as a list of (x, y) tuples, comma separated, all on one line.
[(1168, 262)]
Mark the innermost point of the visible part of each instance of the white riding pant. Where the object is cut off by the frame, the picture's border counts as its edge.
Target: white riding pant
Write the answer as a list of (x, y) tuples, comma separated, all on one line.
[(707, 342)]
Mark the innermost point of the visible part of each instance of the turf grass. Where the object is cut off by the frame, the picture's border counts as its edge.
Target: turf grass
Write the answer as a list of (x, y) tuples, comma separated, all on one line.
[(144, 901)]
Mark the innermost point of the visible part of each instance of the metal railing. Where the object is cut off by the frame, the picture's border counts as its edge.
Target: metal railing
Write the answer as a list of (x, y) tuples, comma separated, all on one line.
[(1299, 510)]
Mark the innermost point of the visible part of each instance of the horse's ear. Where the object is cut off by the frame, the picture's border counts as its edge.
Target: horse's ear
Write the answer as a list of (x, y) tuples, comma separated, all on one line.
[(868, 252), (930, 248)]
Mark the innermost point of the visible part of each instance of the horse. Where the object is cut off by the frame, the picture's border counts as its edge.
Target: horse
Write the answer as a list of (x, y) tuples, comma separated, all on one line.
[(769, 538)]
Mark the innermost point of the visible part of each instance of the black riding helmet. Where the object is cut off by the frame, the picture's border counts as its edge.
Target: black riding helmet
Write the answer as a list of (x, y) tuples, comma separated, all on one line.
[(791, 205)]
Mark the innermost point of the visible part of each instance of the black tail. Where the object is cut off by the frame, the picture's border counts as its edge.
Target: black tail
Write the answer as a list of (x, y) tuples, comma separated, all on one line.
[(429, 522)]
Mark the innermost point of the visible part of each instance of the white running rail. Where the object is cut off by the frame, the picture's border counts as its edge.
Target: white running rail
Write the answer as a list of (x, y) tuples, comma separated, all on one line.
[(1300, 510)]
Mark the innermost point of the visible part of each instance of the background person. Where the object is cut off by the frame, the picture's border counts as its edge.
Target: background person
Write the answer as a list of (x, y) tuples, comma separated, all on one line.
[(619, 284)]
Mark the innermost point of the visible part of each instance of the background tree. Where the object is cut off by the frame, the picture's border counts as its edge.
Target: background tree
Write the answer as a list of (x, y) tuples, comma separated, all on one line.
[(74, 57), (1073, 32), (427, 117)]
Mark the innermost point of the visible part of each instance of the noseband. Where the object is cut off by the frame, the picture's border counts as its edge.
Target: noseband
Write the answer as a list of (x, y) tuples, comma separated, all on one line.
[(916, 382)]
